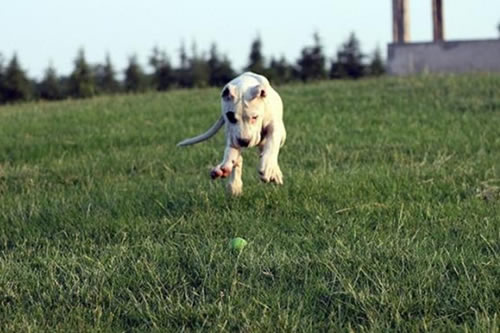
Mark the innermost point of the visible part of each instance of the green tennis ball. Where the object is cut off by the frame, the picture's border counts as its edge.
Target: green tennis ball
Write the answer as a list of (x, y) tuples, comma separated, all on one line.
[(237, 243)]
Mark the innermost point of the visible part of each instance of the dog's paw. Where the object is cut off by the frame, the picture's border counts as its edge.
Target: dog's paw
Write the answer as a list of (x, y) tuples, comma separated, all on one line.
[(223, 170), (235, 188), (271, 173), (220, 171)]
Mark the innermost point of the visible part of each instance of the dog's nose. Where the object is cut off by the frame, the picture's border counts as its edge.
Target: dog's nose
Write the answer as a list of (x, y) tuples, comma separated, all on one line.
[(243, 142)]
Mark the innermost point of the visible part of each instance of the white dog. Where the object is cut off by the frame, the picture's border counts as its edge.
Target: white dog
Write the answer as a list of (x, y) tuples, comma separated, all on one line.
[(253, 114)]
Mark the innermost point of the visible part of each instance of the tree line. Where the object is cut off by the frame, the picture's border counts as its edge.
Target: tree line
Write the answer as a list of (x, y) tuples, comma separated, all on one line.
[(195, 70)]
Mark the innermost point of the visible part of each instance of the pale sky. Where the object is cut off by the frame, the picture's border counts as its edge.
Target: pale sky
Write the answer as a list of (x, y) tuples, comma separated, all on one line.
[(51, 31)]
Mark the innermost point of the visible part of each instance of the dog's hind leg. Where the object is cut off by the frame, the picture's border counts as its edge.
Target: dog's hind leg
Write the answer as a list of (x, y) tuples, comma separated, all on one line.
[(235, 184)]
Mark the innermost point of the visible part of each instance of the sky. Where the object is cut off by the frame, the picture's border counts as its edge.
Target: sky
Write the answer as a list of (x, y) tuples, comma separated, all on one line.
[(43, 32)]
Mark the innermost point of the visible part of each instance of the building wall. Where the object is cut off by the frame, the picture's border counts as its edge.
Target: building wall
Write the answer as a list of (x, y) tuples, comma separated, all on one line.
[(444, 57)]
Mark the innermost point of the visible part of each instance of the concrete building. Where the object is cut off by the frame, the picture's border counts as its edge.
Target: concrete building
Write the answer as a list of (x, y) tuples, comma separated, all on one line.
[(439, 56)]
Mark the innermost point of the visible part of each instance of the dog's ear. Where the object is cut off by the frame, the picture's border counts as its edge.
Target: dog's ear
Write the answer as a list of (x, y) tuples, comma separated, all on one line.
[(258, 91), (228, 93)]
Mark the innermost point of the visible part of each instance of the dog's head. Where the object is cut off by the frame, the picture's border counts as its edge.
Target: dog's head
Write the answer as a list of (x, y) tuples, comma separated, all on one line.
[(243, 112)]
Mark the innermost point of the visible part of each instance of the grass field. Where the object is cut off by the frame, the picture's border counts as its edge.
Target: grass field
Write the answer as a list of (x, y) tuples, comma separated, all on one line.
[(389, 219)]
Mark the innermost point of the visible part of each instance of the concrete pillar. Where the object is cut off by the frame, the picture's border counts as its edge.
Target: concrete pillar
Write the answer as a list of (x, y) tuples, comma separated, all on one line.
[(437, 20), (400, 21)]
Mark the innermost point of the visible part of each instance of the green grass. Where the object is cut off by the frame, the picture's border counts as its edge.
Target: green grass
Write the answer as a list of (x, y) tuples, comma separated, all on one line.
[(389, 219)]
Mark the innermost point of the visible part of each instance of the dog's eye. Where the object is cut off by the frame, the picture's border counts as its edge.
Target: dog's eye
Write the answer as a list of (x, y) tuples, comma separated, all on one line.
[(255, 117), (230, 117)]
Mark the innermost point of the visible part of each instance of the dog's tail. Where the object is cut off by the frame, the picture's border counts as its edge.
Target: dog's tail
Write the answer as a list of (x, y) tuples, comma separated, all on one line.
[(205, 136)]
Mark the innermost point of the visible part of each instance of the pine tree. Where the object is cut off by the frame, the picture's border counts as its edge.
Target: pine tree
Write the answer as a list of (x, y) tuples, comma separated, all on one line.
[(311, 64), (256, 61), (376, 67), (198, 69), (135, 80), (16, 86), (81, 81), (338, 70), (280, 71), (182, 75), (105, 77), (194, 71), (2, 79), (163, 73), (349, 62), (50, 88), (220, 70), (183, 57)]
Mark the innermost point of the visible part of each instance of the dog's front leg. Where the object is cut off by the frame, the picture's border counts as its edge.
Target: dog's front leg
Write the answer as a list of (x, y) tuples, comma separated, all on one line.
[(231, 165), (235, 184), (224, 169), (269, 169)]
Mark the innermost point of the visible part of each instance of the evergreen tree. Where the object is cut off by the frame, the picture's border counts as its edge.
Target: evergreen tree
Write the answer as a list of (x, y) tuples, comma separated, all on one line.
[(198, 69), (50, 88), (220, 70), (81, 81), (376, 67), (15, 86), (64, 84), (135, 80), (338, 70), (194, 71), (256, 61), (280, 71), (349, 62), (311, 64), (183, 56), (105, 77), (2, 79), (163, 75), (182, 75)]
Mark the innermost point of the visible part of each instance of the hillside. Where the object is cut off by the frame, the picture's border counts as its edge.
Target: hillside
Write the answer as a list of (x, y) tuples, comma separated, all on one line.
[(389, 218)]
